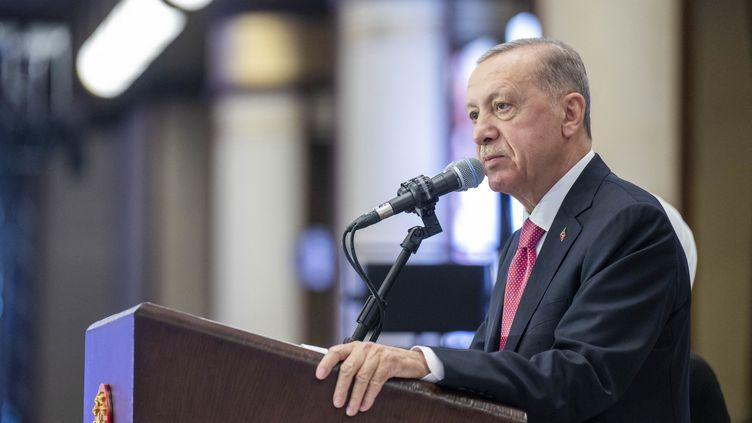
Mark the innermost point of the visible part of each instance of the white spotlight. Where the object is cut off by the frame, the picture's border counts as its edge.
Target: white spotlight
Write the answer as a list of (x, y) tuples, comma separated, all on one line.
[(125, 43), (523, 25)]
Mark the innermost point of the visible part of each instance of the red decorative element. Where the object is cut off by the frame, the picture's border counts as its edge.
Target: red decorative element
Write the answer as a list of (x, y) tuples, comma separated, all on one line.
[(103, 405)]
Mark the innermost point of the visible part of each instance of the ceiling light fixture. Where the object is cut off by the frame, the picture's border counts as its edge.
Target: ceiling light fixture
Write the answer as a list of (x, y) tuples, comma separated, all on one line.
[(125, 43), (190, 5)]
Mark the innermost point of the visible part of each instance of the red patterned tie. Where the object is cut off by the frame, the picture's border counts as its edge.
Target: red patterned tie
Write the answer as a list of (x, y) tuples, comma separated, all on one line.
[(519, 271)]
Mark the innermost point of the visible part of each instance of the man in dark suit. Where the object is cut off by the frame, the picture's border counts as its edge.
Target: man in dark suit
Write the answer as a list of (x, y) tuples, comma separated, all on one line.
[(589, 318)]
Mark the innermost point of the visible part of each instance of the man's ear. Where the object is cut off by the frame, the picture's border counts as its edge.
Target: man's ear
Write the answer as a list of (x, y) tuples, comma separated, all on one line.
[(574, 114)]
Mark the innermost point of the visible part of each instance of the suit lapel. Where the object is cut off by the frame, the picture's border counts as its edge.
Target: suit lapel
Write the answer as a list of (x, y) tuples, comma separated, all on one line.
[(563, 233)]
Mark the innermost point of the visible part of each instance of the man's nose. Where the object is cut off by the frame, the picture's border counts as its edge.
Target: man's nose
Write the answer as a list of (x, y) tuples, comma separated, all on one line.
[(484, 131)]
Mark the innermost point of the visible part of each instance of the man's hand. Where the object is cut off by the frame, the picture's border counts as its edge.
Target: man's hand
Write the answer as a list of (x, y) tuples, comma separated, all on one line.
[(371, 365)]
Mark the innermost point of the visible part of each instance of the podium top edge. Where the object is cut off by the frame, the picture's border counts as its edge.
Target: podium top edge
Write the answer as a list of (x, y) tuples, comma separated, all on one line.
[(120, 315), (156, 312)]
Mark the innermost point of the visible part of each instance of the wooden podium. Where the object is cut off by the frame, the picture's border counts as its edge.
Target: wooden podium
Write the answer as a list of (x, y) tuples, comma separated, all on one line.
[(165, 366)]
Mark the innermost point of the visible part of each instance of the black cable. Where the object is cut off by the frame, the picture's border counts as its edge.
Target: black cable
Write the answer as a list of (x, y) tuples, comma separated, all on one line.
[(352, 258), (353, 263), (344, 246), (374, 291)]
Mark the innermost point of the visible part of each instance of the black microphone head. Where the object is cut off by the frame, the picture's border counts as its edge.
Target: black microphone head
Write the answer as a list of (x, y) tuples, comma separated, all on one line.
[(469, 171)]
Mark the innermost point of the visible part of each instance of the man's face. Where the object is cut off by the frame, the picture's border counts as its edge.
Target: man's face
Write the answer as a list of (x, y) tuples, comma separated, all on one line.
[(516, 126)]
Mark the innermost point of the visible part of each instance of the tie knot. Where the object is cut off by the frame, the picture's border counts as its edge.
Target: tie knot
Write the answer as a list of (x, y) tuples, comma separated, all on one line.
[(530, 235)]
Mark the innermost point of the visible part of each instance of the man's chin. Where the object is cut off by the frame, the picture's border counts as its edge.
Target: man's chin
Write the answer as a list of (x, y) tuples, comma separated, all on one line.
[(499, 184)]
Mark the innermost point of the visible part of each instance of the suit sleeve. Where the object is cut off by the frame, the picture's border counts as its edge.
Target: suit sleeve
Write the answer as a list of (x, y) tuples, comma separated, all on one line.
[(628, 285)]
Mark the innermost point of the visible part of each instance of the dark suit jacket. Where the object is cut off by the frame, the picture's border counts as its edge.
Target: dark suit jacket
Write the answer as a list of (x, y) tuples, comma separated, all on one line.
[(602, 330)]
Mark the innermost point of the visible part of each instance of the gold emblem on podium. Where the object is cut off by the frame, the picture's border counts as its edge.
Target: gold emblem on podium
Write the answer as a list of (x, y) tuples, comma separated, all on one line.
[(103, 405)]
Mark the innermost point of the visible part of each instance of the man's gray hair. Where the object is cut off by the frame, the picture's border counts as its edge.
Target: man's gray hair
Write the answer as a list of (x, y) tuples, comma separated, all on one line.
[(561, 69)]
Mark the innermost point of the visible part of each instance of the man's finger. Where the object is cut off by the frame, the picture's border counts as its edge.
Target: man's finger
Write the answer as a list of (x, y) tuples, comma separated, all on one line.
[(362, 381), (377, 381), (335, 354), (347, 371)]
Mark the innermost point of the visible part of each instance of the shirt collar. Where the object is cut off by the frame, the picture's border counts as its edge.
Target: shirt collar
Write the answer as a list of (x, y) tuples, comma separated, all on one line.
[(545, 211)]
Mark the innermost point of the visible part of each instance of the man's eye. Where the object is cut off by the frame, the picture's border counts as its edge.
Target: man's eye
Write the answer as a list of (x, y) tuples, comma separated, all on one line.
[(473, 116), (502, 106)]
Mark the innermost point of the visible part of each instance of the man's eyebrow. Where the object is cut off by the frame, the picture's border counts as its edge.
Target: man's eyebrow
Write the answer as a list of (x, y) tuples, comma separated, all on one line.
[(502, 91)]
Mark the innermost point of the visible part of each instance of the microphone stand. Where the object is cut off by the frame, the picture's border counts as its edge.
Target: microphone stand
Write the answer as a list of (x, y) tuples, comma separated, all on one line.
[(369, 317)]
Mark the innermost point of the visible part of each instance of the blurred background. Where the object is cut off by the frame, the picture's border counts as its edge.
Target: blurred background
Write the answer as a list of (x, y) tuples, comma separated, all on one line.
[(206, 156)]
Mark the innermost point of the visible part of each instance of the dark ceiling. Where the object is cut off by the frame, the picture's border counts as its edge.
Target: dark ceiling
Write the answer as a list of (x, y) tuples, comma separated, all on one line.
[(70, 10), (34, 10)]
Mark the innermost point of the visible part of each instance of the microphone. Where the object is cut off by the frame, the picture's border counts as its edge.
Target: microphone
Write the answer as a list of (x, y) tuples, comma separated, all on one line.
[(422, 191)]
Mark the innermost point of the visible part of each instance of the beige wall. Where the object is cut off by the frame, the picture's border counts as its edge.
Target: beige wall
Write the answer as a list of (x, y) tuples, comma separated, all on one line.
[(720, 193), (257, 212)]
